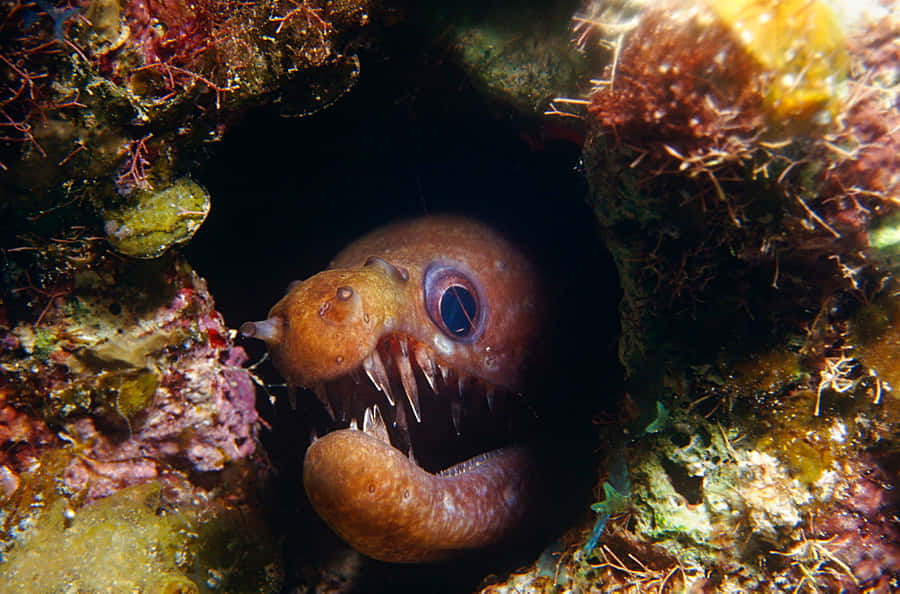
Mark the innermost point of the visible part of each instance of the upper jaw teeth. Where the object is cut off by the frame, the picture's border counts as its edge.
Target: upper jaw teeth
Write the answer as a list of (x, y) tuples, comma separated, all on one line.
[(408, 380), (391, 367), (376, 371)]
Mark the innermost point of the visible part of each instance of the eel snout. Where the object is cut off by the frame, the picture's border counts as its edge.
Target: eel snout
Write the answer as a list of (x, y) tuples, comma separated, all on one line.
[(390, 509), (325, 326)]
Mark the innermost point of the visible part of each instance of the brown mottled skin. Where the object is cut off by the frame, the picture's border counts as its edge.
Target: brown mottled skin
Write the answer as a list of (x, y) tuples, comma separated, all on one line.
[(390, 509), (327, 326)]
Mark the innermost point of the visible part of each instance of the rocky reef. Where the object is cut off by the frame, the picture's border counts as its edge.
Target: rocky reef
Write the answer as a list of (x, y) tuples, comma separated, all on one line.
[(125, 404), (742, 165), (104, 98)]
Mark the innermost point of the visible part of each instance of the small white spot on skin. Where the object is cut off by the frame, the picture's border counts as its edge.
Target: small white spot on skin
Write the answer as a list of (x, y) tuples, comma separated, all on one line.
[(509, 496), (449, 504), (499, 264), (442, 344)]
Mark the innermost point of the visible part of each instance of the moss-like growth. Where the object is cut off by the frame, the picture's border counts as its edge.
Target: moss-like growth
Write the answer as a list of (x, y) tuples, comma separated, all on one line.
[(122, 543), (875, 332), (133, 541), (524, 67)]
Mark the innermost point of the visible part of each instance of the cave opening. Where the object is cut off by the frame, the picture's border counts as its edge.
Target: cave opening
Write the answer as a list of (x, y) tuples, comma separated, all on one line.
[(411, 138)]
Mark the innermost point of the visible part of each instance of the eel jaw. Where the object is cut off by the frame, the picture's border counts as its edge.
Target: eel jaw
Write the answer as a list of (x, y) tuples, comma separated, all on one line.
[(388, 508), (392, 504), (425, 402)]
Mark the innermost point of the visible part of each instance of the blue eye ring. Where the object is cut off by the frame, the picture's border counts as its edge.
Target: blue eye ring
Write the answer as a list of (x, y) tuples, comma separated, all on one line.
[(454, 303)]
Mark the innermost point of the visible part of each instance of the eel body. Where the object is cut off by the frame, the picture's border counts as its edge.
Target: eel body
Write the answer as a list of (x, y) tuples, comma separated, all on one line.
[(441, 312)]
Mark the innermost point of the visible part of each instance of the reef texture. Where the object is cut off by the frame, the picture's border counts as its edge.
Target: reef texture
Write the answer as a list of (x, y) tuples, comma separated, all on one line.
[(520, 63), (120, 375), (744, 160), (101, 98)]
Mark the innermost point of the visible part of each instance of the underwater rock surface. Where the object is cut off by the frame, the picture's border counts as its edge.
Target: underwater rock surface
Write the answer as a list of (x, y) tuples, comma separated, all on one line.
[(744, 167), (102, 98), (126, 379)]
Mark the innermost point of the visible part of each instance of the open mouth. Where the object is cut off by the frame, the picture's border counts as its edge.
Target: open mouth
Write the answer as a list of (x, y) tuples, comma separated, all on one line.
[(416, 341), (435, 414), (428, 477)]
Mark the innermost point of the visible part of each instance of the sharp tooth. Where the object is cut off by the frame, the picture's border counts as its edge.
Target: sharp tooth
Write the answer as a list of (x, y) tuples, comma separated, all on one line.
[(354, 375), (313, 436), (369, 368), (445, 372), (354, 425), (456, 414), (373, 424), (374, 368), (489, 396), (426, 364), (404, 347), (408, 380), (461, 384)]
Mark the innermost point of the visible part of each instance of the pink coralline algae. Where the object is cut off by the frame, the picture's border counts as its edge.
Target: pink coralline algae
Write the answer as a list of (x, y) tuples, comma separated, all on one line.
[(131, 385)]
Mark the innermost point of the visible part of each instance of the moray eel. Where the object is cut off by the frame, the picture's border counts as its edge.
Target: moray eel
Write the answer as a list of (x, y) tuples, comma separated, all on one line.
[(434, 321)]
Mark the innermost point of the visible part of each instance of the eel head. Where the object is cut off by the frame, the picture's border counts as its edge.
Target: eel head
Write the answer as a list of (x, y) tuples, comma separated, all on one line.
[(435, 322)]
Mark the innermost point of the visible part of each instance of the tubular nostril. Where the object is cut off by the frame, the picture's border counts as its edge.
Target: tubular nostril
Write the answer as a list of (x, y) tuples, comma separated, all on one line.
[(268, 330), (344, 293)]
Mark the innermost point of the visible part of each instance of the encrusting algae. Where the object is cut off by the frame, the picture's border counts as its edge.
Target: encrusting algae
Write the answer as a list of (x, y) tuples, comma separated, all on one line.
[(129, 430)]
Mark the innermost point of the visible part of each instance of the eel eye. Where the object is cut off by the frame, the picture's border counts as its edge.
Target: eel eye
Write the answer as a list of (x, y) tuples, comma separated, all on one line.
[(453, 304)]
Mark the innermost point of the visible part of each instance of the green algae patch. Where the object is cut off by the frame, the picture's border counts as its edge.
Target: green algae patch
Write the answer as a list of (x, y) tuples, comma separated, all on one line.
[(154, 221), (884, 241), (525, 66), (123, 543), (806, 460), (134, 541), (238, 554)]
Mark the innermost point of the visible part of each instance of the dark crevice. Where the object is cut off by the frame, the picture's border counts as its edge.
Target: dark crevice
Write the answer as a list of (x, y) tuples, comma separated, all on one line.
[(689, 487)]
